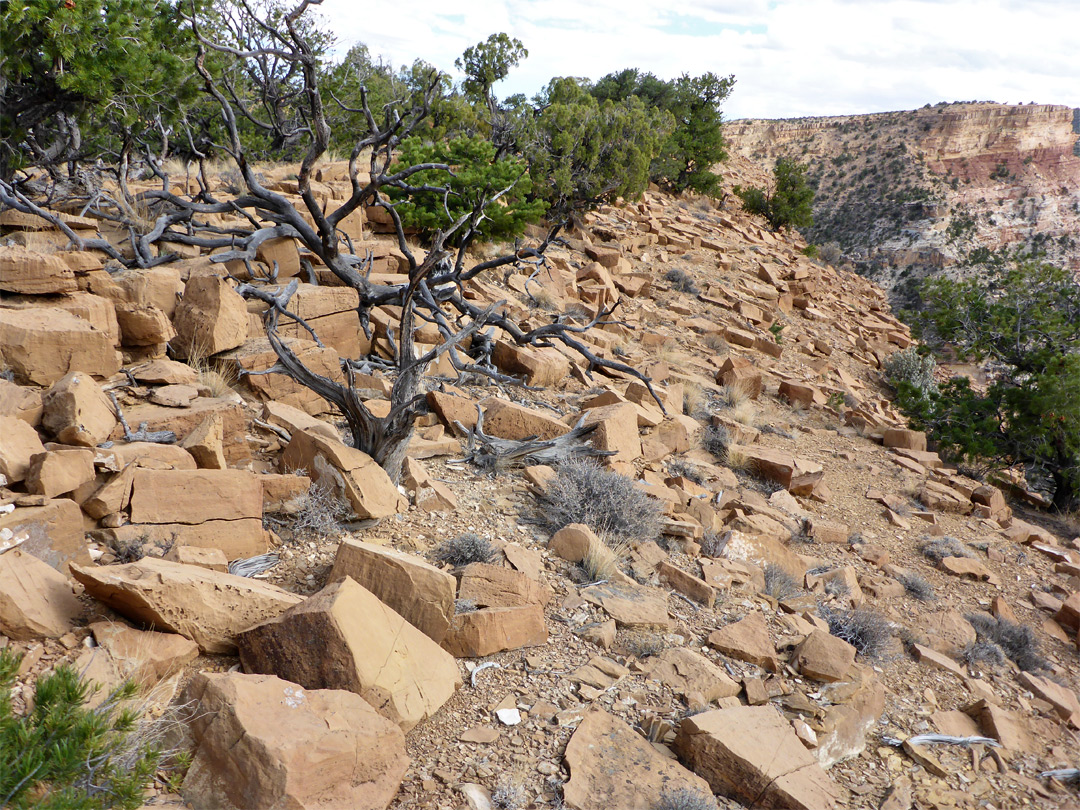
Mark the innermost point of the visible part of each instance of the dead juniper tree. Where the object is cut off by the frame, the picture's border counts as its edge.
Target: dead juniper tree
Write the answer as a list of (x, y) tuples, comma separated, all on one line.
[(279, 59)]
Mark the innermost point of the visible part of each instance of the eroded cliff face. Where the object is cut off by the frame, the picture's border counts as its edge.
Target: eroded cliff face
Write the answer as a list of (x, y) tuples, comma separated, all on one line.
[(911, 193)]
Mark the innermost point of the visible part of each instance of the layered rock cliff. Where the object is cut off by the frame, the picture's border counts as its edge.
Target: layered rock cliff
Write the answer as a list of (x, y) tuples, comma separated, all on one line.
[(910, 193)]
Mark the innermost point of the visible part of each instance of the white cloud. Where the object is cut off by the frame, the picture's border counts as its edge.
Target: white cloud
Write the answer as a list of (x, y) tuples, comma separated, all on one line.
[(789, 57)]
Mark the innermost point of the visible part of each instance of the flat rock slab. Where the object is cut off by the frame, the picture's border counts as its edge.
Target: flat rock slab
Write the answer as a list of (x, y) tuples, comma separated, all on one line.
[(209, 607), (267, 743), (692, 675), (751, 754), (747, 640), (612, 766), (630, 605)]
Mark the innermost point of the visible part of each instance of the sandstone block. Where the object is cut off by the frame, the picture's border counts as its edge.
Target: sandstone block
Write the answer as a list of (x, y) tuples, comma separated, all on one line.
[(146, 657), (20, 402), (542, 367), (36, 601), (205, 443), (617, 430), (747, 640), (20, 444), (261, 742), (612, 766), (363, 646), (421, 593), (194, 496), (508, 420), (53, 532), (489, 585), (824, 657), (630, 605), (212, 318), (906, 439), (30, 273), (691, 674), (353, 474), (751, 754), (42, 344), (573, 542), (76, 411), (143, 325), (209, 607), (491, 630), (59, 471)]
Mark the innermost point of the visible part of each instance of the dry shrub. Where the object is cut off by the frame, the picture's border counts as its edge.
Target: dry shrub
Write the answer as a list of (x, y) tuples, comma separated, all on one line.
[(917, 587), (716, 342), (1017, 641), (641, 643), (986, 653), (602, 560), (544, 299), (218, 379), (681, 280), (678, 467), (863, 628), (779, 584), (321, 512), (465, 549), (735, 393), (737, 459), (745, 413), (937, 550), (685, 799), (608, 503), (715, 439)]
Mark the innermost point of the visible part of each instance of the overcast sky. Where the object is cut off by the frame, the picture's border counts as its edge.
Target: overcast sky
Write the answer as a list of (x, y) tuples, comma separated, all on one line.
[(790, 58)]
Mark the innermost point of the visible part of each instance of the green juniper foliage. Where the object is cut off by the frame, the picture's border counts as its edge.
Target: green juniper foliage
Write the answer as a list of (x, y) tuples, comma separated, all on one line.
[(1024, 320), (64, 755), (789, 204)]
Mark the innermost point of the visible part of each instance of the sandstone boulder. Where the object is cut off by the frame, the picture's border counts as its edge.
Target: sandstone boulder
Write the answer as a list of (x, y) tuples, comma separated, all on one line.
[(143, 325), (20, 402), (362, 645), (751, 754), (76, 411), (824, 657), (353, 474), (261, 742), (30, 273), (42, 344), (20, 444), (59, 471), (629, 604), (36, 601), (508, 420), (691, 675), (477, 633), (209, 607), (421, 593), (52, 532), (223, 507), (489, 585), (573, 542), (616, 430), (905, 439), (144, 656), (612, 766), (212, 318), (205, 443), (747, 640)]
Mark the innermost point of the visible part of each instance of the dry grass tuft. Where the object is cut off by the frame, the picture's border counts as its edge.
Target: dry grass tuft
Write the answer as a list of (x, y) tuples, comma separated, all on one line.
[(693, 401), (745, 413), (735, 394), (602, 560)]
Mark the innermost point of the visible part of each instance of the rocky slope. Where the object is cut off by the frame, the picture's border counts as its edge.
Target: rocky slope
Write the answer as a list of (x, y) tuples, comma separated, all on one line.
[(718, 663), (916, 192)]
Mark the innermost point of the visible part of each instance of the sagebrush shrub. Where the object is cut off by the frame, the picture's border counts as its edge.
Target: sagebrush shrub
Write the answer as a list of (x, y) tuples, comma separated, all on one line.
[(608, 503), (863, 628), (465, 549), (1017, 641), (908, 366)]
